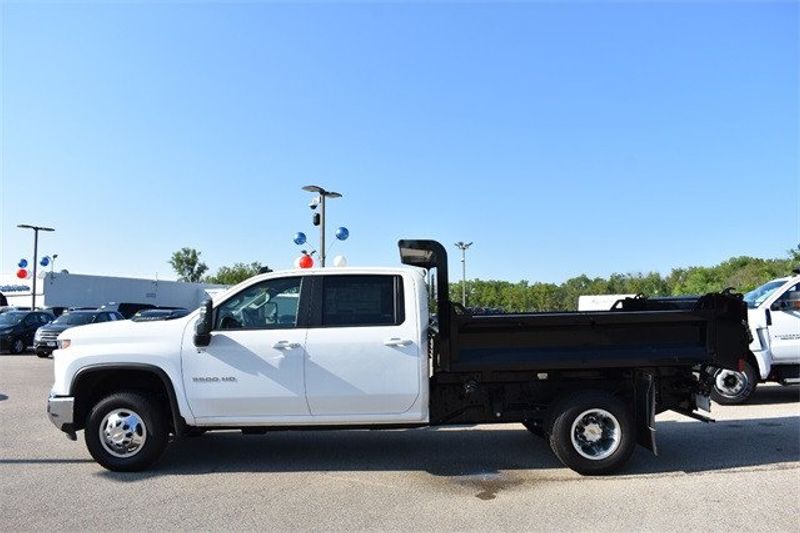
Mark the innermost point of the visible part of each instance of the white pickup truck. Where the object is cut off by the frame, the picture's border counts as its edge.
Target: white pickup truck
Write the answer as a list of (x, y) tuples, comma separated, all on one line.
[(355, 348), (773, 313)]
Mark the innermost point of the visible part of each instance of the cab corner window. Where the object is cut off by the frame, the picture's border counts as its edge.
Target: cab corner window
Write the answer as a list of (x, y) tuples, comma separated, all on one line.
[(362, 300), (271, 304)]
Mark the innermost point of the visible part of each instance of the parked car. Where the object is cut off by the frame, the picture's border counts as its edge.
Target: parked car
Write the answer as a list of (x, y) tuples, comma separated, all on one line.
[(159, 313), (45, 340), (17, 329), (126, 309)]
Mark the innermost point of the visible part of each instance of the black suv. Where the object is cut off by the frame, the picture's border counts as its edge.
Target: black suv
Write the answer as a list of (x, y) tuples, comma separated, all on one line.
[(45, 340), (17, 329)]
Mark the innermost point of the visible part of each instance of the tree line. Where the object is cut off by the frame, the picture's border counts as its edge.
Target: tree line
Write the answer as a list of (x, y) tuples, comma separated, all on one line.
[(742, 273)]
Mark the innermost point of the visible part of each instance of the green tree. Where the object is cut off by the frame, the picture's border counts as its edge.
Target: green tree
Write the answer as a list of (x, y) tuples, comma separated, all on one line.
[(186, 263), (231, 275)]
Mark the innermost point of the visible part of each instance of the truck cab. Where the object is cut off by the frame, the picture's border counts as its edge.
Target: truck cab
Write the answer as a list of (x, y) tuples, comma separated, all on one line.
[(773, 311), (298, 329)]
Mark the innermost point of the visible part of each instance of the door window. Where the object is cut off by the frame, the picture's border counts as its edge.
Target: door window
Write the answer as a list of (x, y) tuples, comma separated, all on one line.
[(362, 301), (789, 300), (271, 304)]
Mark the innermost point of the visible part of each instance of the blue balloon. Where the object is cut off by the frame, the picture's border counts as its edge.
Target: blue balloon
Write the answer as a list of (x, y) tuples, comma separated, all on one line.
[(22, 263), (299, 238), (44, 261), (342, 233)]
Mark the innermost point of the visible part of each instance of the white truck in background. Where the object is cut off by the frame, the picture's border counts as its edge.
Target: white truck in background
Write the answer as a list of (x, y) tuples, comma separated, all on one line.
[(773, 314)]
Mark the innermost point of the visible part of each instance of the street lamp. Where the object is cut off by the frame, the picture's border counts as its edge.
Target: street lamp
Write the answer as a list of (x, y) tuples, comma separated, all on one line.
[(36, 230), (323, 194), (463, 247)]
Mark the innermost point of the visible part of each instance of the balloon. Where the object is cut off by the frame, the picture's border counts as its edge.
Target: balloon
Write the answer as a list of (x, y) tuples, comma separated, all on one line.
[(28, 274), (297, 262), (44, 261), (22, 263), (340, 261), (342, 233), (305, 261), (299, 238), (22, 273)]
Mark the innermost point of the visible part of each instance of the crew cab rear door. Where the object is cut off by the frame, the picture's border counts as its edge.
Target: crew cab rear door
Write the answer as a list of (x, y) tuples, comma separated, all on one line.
[(363, 352)]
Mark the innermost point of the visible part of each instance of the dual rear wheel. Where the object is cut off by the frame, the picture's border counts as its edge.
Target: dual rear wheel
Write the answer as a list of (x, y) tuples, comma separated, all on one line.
[(590, 432)]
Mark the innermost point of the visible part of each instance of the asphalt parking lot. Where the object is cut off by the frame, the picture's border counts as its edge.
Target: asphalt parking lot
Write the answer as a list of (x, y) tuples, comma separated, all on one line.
[(741, 473)]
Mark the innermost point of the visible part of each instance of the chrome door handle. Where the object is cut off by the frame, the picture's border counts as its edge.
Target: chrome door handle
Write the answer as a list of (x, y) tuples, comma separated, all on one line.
[(397, 341), (285, 345)]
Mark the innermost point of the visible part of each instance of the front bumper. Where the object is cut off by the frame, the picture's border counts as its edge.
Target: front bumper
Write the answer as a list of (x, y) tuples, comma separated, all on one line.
[(44, 346), (60, 410)]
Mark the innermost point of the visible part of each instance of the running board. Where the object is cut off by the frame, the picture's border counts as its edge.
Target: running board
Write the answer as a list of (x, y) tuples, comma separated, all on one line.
[(691, 414), (790, 381)]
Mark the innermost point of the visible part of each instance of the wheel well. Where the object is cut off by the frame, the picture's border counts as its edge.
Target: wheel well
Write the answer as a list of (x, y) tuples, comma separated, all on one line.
[(92, 385)]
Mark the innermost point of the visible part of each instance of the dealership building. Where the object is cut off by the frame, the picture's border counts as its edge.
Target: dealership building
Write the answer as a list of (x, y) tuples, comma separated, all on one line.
[(62, 289)]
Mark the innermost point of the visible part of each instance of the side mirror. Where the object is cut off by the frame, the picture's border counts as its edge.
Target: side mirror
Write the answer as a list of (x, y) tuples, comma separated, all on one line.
[(202, 328)]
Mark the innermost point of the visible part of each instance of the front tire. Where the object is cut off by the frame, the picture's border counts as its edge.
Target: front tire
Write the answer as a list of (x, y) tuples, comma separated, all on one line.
[(733, 388), (17, 346), (126, 432), (592, 433)]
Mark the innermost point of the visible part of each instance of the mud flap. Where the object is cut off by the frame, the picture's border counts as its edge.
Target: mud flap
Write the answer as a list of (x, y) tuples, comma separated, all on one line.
[(645, 407)]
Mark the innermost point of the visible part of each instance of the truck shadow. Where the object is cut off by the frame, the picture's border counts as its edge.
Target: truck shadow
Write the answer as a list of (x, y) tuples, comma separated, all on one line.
[(684, 447)]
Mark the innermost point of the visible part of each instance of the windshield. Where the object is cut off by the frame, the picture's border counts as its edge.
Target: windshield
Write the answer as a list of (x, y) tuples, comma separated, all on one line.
[(757, 296), (74, 319), (11, 318)]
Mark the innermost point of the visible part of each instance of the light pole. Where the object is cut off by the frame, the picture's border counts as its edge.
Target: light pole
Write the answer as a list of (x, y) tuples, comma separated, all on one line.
[(36, 230), (461, 245), (323, 194)]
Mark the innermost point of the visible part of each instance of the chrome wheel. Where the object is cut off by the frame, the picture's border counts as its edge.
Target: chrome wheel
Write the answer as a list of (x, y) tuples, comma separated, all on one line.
[(122, 433), (730, 383), (596, 434)]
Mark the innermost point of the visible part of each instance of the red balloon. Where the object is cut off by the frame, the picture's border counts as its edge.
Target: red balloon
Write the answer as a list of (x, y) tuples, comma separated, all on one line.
[(22, 273), (306, 261)]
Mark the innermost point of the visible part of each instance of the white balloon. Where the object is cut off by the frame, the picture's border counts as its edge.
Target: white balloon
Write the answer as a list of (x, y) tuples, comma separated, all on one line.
[(42, 274), (28, 274), (297, 263), (340, 261)]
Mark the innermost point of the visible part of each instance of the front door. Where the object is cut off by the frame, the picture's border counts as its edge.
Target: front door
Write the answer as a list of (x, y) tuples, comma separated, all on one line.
[(785, 329), (363, 353), (253, 367)]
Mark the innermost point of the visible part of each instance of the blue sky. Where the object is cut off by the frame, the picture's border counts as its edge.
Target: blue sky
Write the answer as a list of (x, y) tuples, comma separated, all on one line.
[(561, 138)]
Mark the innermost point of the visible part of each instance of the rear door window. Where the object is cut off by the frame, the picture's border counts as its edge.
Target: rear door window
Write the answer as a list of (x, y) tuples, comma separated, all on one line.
[(362, 300)]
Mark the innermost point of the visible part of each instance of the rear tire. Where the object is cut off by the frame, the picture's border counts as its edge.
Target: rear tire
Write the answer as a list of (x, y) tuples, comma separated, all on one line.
[(733, 388), (126, 432), (592, 433), (42, 355)]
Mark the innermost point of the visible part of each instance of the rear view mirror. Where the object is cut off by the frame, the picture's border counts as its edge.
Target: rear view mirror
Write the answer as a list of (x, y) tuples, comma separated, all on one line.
[(202, 328)]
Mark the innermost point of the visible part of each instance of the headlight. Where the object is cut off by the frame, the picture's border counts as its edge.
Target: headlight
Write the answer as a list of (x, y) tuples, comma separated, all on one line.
[(38, 335), (63, 344)]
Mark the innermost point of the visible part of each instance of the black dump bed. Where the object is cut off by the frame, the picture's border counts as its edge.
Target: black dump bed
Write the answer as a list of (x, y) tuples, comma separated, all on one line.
[(638, 332)]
